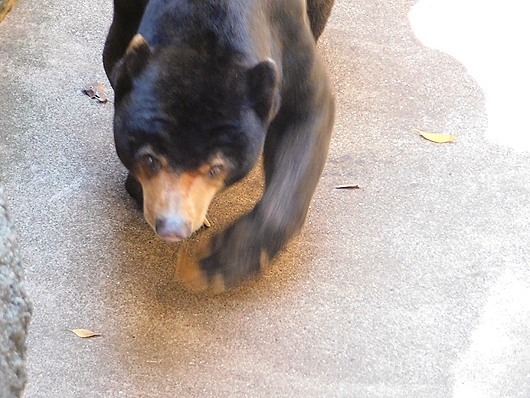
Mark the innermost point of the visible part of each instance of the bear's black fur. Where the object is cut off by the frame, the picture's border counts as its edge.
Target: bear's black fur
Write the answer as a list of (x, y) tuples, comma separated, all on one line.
[(202, 88)]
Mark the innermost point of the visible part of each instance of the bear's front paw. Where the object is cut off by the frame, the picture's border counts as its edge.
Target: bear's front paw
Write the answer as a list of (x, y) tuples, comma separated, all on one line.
[(233, 256), (236, 254), (190, 272)]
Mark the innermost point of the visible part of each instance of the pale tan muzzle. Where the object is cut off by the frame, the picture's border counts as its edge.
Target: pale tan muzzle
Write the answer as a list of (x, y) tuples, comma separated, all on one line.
[(175, 205)]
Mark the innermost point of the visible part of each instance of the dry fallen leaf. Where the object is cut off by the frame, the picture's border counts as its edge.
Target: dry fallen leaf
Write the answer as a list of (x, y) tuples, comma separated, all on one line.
[(84, 333), (96, 91), (434, 137), (347, 186)]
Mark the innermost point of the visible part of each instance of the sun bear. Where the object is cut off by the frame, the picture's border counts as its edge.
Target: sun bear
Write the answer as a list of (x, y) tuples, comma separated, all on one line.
[(202, 89)]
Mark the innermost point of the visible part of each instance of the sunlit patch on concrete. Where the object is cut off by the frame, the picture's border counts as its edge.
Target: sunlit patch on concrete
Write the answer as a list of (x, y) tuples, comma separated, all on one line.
[(496, 362), (491, 40)]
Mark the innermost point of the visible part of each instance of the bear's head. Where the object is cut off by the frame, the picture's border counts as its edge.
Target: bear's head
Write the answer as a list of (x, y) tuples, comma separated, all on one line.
[(189, 121)]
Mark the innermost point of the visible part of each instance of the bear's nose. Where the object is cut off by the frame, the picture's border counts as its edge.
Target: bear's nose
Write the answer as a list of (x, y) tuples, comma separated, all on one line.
[(172, 228)]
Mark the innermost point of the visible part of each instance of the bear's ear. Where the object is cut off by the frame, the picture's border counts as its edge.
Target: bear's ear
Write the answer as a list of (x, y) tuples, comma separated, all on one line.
[(263, 89), (131, 64)]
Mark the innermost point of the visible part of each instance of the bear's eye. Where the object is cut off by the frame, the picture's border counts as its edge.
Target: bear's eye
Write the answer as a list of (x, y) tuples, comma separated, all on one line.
[(150, 163), (215, 171)]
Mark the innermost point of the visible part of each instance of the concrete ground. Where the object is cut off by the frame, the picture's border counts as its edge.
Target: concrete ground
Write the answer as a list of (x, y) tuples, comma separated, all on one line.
[(415, 285)]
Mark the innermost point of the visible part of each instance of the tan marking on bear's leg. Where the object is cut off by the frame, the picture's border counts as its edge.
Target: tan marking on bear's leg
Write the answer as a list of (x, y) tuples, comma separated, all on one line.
[(137, 41), (263, 260), (218, 284), (189, 271)]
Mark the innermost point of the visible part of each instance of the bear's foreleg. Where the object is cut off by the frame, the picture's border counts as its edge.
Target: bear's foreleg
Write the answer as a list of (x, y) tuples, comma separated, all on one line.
[(294, 156)]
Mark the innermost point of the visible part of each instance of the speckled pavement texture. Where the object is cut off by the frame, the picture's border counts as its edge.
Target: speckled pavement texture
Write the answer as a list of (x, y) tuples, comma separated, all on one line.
[(415, 285)]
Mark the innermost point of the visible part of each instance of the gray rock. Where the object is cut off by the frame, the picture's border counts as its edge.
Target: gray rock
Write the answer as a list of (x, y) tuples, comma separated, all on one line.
[(15, 310)]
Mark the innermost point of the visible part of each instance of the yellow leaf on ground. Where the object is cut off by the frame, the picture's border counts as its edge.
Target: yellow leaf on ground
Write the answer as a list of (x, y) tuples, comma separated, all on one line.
[(434, 137), (84, 333)]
